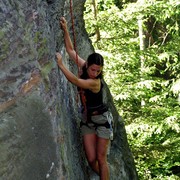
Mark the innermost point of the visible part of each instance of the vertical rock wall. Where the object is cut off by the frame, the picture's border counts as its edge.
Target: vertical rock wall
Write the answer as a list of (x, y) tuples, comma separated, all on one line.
[(39, 120)]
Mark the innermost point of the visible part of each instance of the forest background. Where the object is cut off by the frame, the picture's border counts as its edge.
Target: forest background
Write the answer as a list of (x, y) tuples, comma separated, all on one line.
[(140, 41)]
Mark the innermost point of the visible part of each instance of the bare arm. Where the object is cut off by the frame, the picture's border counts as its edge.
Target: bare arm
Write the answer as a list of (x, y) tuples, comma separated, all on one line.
[(91, 84), (69, 47)]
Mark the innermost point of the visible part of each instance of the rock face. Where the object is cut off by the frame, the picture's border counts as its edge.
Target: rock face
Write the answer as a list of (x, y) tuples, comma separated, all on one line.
[(39, 119)]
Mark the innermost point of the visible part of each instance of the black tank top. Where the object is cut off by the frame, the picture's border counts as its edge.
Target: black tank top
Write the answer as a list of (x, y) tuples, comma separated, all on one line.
[(93, 100)]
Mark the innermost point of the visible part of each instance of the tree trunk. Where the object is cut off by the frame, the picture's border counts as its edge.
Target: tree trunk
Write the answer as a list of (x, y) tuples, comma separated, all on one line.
[(98, 36), (141, 45)]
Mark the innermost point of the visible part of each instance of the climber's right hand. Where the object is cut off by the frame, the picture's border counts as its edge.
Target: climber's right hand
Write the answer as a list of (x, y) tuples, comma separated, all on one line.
[(63, 23), (59, 58)]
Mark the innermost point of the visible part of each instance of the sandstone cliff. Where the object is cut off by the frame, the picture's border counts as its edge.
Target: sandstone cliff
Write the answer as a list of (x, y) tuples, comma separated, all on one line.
[(39, 119)]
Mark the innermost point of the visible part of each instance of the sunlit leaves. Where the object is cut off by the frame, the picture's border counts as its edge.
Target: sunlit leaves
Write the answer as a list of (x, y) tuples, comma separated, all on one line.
[(176, 87)]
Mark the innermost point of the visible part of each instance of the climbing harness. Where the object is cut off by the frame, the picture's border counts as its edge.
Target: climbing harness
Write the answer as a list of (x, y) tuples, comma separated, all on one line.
[(96, 125), (98, 111)]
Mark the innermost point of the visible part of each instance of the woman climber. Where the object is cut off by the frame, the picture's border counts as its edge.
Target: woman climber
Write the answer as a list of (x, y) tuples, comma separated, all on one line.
[(96, 126)]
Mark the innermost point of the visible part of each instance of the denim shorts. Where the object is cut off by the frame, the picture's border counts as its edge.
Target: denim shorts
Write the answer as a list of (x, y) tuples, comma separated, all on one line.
[(100, 131)]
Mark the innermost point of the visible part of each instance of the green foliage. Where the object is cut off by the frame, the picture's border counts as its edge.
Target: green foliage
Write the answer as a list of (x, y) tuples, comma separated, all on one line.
[(148, 96)]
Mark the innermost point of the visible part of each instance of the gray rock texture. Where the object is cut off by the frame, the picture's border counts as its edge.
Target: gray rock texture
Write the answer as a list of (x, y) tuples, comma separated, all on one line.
[(39, 119)]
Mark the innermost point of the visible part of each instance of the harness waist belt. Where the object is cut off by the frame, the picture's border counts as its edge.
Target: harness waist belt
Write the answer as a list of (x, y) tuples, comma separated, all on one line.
[(106, 124), (98, 111)]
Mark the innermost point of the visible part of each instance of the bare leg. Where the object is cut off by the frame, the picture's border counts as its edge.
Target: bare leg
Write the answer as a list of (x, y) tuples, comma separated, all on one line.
[(90, 147), (102, 148)]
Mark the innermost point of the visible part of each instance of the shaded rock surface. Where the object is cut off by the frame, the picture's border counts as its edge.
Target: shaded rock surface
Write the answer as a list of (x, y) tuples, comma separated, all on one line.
[(39, 119)]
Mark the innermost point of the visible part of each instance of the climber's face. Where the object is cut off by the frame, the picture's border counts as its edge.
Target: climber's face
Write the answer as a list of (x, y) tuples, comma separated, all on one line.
[(94, 70)]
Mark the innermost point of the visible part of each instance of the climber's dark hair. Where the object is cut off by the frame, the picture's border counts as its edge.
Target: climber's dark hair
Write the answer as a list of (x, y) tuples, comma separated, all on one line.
[(94, 58)]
